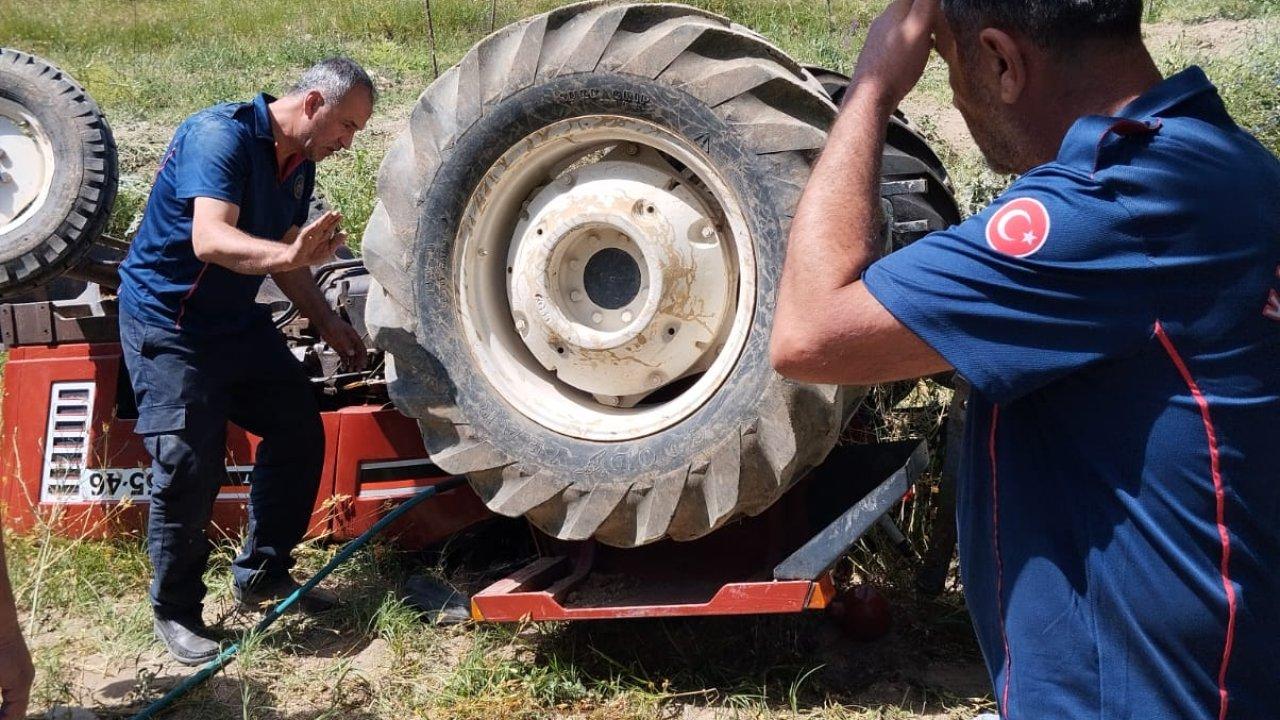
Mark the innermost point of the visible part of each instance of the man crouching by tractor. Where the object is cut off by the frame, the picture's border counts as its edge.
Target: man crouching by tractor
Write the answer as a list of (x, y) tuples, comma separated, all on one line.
[(229, 206)]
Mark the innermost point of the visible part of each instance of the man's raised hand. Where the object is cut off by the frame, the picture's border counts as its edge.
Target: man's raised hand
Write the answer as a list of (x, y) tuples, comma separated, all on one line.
[(316, 242), (897, 49)]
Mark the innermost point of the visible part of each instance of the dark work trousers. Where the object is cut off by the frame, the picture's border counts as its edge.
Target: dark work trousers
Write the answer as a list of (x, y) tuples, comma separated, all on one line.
[(187, 387)]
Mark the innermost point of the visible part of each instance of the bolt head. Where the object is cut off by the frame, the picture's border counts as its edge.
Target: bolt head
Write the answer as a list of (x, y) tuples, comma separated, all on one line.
[(627, 316), (707, 232), (597, 318), (633, 149), (575, 295)]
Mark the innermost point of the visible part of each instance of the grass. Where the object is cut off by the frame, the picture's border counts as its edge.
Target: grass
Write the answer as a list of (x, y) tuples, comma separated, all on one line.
[(1201, 10), (84, 603), (149, 63)]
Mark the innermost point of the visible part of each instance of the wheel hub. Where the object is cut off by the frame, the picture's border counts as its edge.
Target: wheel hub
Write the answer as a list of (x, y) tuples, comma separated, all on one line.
[(606, 277), (26, 165), (611, 278), (619, 285)]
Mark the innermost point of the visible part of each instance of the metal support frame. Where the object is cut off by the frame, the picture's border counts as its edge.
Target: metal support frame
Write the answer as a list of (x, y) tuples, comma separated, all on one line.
[(723, 573)]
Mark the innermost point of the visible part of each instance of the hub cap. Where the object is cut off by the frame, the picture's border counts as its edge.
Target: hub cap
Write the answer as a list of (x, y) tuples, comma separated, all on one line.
[(607, 278), (26, 166)]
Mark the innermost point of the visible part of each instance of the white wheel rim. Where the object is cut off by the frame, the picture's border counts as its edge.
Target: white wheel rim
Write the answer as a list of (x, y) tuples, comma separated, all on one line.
[(631, 288), (26, 166)]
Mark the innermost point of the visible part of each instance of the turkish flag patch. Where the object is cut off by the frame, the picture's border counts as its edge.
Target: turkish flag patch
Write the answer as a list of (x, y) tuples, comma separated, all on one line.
[(1020, 228)]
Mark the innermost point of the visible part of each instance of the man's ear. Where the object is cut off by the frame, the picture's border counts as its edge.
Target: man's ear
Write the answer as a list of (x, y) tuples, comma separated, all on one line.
[(1006, 60), (312, 103)]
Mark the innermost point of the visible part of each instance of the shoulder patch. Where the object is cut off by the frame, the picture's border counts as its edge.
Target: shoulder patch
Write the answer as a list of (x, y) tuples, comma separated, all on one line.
[(1019, 228)]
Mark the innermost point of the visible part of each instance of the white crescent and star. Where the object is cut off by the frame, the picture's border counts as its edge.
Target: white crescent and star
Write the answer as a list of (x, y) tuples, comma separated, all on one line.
[(1032, 235), (1002, 227)]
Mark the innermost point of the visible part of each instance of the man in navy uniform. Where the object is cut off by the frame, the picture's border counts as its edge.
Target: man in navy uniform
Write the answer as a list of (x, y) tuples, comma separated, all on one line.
[(229, 206), (1117, 312)]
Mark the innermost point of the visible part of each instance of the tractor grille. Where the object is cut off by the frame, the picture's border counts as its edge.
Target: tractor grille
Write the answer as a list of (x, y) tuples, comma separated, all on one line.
[(66, 447)]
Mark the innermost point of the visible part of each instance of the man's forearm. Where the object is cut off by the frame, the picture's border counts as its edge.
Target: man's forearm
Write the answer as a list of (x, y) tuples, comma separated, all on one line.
[(836, 232), (241, 252), (300, 287)]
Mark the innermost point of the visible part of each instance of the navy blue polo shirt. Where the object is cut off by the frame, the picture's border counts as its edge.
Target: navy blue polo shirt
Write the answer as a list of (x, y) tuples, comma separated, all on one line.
[(1117, 312), (226, 152)]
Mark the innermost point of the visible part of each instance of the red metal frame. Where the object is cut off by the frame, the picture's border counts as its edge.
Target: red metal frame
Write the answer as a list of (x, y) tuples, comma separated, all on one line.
[(728, 572), (538, 592), (347, 504)]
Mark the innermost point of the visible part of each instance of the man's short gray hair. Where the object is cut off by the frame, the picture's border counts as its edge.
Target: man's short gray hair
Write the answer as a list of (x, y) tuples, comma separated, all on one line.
[(335, 77)]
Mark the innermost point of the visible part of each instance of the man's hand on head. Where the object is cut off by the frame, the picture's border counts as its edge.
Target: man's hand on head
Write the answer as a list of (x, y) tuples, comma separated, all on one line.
[(897, 50)]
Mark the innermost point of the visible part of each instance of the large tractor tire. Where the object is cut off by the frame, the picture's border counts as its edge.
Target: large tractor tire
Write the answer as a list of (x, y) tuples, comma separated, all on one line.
[(576, 249), (58, 171)]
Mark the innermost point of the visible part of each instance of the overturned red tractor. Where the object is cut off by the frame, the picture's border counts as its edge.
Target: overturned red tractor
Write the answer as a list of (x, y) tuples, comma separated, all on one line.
[(569, 278)]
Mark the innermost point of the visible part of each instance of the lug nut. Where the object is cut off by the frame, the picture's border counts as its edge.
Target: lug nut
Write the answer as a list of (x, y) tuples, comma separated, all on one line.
[(707, 232), (632, 149), (575, 296), (597, 318), (655, 379), (626, 316)]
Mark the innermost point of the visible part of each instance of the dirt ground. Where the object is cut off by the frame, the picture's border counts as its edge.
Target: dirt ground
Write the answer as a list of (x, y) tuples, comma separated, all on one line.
[(1217, 37)]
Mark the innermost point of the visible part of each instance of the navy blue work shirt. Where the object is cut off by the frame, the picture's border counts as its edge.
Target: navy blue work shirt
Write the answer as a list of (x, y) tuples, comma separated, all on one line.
[(226, 152), (1117, 312)]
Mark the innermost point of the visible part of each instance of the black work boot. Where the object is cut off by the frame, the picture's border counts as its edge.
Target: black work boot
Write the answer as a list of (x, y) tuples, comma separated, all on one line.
[(187, 640), (271, 592)]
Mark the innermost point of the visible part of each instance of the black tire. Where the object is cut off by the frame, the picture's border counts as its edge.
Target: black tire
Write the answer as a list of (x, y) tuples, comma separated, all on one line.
[(759, 118), (80, 195), (908, 155)]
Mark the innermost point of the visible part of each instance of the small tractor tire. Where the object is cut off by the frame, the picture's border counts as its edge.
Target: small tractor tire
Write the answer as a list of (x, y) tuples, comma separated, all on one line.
[(58, 171)]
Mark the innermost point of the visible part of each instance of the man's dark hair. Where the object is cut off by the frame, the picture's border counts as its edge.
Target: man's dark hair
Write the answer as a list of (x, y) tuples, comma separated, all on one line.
[(335, 77), (1056, 25)]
